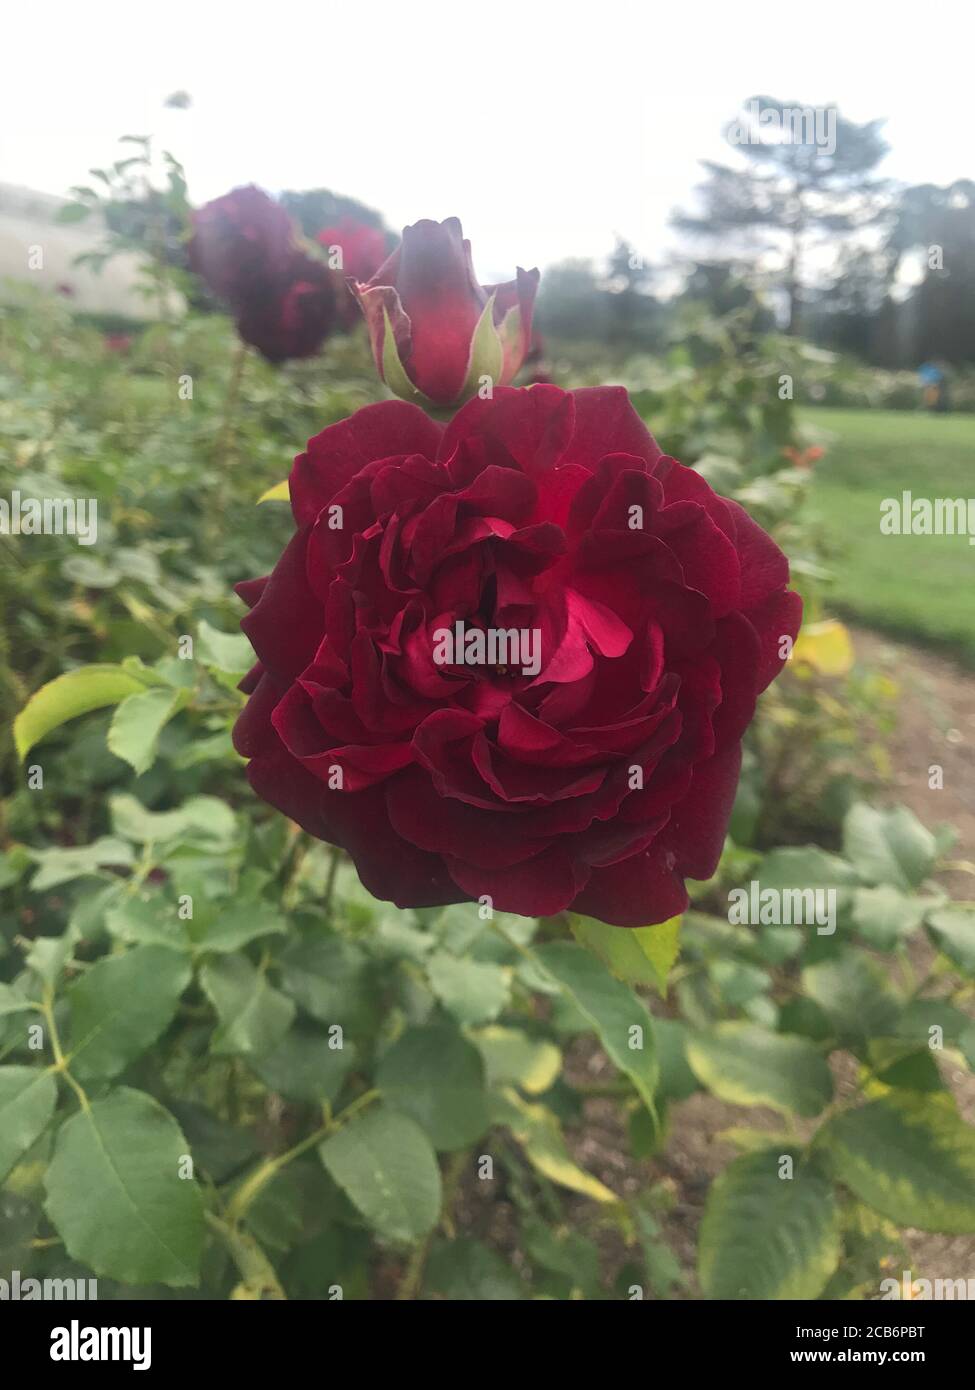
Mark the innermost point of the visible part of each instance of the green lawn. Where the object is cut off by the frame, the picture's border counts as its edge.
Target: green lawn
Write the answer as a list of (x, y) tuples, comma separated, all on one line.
[(913, 586)]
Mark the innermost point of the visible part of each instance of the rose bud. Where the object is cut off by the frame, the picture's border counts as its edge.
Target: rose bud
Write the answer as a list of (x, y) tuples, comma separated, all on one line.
[(436, 333), (240, 242), (514, 656)]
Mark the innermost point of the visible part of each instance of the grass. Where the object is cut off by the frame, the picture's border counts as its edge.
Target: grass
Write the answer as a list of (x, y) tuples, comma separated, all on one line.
[(919, 587)]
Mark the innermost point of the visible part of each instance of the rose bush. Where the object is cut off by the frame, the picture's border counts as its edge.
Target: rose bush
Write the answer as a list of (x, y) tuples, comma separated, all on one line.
[(443, 340), (598, 783), (208, 983)]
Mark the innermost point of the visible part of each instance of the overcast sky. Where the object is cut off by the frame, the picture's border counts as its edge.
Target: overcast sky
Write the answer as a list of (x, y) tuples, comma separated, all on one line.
[(547, 127)]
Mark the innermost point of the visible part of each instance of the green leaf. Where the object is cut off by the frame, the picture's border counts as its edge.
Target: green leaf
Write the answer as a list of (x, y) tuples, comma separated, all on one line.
[(805, 866), (205, 820), (636, 955), (11, 999), (662, 1266), (386, 1166), (883, 916), (952, 929), (765, 1237), (513, 1058), (466, 1270), (57, 866), (121, 1005), (473, 991), (746, 1065), (888, 846), (115, 1195), (148, 919), (920, 1016), (67, 696), (47, 957), (621, 1020), (910, 1157), (853, 993), (326, 977), (236, 925), (573, 1257), (133, 734), (677, 1081), (738, 982), (28, 1096), (434, 1075), (253, 1015), (306, 1066), (227, 651)]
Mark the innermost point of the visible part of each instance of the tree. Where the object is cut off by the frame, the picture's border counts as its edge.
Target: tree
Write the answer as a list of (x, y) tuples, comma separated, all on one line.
[(809, 171), (320, 207), (939, 223)]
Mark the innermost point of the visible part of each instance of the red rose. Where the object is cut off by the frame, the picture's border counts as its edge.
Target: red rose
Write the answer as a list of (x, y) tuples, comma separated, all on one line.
[(363, 247), (595, 776), (434, 305), (246, 248), (240, 241), (292, 315)]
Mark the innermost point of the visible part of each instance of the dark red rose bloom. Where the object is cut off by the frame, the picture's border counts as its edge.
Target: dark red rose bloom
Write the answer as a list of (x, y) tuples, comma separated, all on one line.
[(598, 783), (434, 304), (239, 241), (290, 316), (363, 247), (246, 247)]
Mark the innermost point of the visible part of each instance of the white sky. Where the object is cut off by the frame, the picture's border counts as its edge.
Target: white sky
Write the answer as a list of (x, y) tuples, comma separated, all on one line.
[(545, 126)]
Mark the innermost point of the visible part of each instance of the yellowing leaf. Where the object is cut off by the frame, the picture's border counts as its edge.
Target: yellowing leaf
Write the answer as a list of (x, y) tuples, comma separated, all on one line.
[(636, 955), (280, 492), (661, 946), (539, 1133), (827, 647), (65, 697)]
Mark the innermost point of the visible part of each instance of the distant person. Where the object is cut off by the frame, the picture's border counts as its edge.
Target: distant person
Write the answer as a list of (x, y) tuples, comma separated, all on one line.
[(934, 386)]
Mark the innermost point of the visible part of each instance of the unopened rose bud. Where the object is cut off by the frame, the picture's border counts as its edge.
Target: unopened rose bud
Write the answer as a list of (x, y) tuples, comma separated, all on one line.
[(437, 335)]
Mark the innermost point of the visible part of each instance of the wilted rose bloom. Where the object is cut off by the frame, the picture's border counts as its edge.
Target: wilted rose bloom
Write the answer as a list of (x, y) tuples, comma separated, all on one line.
[(627, 619), (245, 246), (363, 247), (291, 316), (434, 304)]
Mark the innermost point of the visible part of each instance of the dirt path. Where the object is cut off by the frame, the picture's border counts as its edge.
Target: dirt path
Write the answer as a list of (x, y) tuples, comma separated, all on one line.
[(936, 727)]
